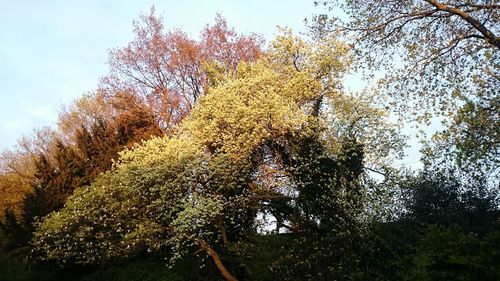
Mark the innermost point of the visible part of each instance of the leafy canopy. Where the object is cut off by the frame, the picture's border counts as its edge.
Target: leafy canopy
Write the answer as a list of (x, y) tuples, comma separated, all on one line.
[(202, 187)]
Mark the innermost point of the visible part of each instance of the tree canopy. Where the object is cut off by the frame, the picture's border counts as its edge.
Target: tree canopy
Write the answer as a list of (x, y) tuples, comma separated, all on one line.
[(441, 59), (203, 187)]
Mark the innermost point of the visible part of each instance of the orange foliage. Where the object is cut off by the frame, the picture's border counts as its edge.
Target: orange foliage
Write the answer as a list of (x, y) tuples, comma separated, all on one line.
[(165, 69)]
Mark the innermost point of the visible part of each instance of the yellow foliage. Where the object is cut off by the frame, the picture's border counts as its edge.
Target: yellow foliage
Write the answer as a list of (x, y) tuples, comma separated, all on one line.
[(238, 116), (13, 188)]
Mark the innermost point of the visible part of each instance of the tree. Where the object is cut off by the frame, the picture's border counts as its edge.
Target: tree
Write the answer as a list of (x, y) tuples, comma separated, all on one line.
[(182, 174), (166, 70), (471, 140), (447, 228), (84, 112), (440, 43), (452, 254), (72, 166), (224, 46), (441, 197), (12, 190), (441, 60), (193, 187), (17, 168), (201, 189)]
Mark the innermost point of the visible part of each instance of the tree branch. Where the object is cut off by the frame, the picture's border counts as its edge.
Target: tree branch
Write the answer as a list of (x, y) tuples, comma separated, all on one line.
[(488, 34), (217, 260)]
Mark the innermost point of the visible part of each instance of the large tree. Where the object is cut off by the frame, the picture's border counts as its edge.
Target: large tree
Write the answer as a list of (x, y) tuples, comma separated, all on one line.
[(250, 141), (440, 57)]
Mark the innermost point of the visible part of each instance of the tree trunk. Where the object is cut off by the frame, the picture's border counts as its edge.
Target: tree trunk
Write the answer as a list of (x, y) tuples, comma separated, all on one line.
[(218, 262)]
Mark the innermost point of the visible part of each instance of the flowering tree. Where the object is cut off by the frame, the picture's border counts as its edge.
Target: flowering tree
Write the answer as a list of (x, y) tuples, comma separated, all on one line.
[(246, 144)]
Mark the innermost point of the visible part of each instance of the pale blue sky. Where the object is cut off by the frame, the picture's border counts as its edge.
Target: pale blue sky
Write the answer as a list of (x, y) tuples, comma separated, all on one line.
[(54, 51)]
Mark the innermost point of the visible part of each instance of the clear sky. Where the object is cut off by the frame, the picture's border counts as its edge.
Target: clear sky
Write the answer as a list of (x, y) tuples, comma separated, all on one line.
[(54, 51)]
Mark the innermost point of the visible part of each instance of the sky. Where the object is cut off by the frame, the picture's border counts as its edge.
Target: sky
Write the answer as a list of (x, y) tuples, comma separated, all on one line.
[(52, 52)]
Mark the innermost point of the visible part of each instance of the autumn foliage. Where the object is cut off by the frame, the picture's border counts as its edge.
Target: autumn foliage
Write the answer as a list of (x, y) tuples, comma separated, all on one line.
[(167, 70)]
